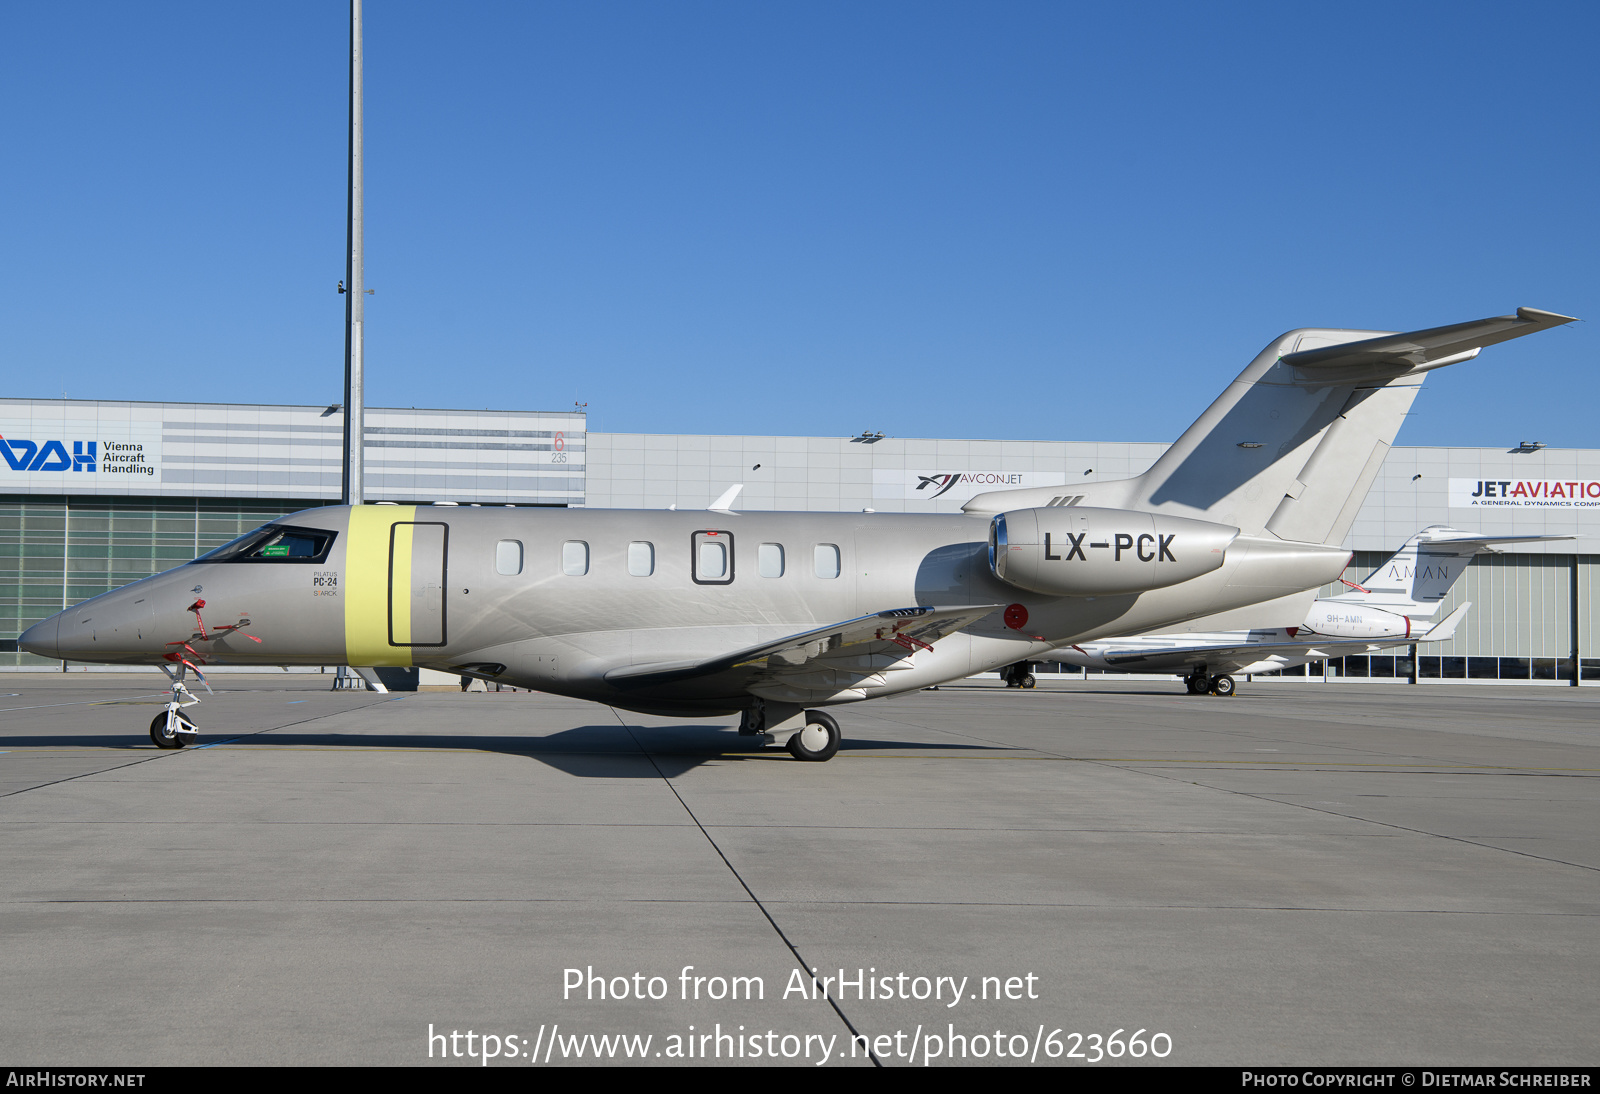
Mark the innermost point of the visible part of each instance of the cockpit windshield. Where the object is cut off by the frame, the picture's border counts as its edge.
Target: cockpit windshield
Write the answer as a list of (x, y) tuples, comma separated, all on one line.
[(275, 543)]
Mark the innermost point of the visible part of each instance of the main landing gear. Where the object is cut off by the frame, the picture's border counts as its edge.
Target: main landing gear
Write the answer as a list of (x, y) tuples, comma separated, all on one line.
[(819, 740), (810, 735), (1020, 675), (1198, 683)]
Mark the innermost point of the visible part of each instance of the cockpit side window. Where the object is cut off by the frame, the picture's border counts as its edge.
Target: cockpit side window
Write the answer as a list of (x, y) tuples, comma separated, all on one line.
[(275, 543)]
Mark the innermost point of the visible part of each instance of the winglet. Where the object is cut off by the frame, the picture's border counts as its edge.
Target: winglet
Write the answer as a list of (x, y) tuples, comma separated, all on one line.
[(725, 502), (1445, 629), (1554, 319)]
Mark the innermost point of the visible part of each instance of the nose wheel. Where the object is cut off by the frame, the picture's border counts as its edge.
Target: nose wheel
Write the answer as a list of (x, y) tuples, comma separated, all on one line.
[(173, 729)]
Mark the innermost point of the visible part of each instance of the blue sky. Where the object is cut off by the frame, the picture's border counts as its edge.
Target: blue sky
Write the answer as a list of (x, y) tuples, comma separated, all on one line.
[(1032, 221)]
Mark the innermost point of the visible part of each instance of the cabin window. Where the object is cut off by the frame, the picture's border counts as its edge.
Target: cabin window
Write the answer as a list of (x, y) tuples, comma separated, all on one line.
[(712, 558), (769, 559), (575, 558), (508, 557), (827, 560), (641, 558)]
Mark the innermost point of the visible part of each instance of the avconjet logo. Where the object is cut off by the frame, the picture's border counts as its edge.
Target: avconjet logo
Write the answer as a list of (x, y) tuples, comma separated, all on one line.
[(985, 478), (109, 456)]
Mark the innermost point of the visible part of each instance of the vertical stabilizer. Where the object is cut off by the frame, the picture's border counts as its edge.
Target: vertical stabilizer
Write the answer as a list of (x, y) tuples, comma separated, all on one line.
[(1292, 446), (1417, 577)]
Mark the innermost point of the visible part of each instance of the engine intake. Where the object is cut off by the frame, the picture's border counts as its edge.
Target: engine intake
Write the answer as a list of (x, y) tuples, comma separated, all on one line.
[(1084, 551)]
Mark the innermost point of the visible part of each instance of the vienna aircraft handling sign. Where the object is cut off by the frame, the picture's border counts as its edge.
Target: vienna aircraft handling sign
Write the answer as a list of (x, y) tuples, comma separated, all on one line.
[(64, 454), (1525, 493)]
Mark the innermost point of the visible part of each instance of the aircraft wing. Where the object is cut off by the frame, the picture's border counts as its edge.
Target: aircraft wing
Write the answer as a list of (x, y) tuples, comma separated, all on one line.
[(1215, 658), (861, 646), (1431, 348), (1219, 659)]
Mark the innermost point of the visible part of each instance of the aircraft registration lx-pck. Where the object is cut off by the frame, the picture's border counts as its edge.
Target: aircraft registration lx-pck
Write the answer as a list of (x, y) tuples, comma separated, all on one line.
[(776, 615)]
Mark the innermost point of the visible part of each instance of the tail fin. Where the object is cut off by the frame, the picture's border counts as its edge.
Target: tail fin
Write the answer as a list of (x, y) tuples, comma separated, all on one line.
[(1293, 444), (1417, 577)]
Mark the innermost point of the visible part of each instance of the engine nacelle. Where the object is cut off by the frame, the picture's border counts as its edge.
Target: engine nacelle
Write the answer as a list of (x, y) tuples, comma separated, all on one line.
[(1084, 551), (1345, 621)]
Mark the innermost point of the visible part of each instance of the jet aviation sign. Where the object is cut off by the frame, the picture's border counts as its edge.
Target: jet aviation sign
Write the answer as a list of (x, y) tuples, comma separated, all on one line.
[(1525, 493)]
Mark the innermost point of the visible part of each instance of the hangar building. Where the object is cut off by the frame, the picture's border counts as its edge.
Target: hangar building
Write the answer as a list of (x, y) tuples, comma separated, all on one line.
[(97, 494)]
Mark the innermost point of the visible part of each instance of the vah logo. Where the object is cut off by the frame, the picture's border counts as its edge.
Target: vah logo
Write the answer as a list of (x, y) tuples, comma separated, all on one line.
[(107, 456)]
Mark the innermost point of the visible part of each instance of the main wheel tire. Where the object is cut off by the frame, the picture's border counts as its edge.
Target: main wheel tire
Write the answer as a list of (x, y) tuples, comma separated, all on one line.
[(1222, 685), (159, 734), (1194, 685), (1028, 681), (818, 740)]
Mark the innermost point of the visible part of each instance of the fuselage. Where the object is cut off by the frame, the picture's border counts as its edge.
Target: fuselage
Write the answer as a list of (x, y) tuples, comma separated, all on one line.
[(553, 599)]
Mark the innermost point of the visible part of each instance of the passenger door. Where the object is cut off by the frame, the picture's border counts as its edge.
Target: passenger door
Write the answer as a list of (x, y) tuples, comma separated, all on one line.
[(418, 567)]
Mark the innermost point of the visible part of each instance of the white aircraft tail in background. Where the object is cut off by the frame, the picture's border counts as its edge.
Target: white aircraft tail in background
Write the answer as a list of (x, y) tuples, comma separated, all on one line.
[(1416, 579)]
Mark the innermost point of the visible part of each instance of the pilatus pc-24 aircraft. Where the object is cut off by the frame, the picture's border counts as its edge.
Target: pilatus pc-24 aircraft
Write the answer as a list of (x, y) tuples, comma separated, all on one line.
[(775, 616), (1393, 606)]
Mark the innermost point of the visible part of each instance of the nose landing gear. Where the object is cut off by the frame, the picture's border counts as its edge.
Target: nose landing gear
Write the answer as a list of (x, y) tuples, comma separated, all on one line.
[(172, 728)]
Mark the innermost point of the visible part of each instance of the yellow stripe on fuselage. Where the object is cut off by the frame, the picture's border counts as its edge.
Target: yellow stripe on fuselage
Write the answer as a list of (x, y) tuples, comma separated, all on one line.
[(366, 585)]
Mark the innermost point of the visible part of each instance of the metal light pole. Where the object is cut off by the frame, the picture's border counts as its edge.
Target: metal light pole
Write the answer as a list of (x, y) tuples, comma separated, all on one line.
[(354, 492)]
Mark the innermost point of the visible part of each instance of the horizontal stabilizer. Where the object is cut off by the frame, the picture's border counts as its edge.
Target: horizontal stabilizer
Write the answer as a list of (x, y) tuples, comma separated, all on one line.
[(1454, 536), (896, 633), (1431, 348)]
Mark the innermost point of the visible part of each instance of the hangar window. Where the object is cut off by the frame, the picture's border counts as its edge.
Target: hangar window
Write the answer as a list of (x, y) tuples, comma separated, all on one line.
[(508, 557), (712, 557), (769, 559), (641, 558), (826, 558), (575, 558)]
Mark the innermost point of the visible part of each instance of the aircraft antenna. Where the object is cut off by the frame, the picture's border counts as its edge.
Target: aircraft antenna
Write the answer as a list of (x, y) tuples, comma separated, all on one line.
[(355, 404)]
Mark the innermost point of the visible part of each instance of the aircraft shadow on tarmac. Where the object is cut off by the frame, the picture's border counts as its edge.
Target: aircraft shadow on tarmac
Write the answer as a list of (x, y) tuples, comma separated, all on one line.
[(591, 751)]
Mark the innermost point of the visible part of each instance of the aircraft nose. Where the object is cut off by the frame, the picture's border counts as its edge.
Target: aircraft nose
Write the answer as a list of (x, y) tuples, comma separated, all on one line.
[(42, 638)]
